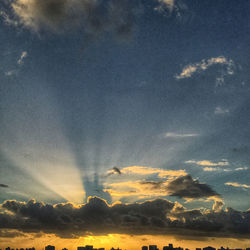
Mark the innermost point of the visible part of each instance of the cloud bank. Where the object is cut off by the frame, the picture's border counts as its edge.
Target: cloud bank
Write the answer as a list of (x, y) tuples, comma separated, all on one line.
[(96, 217)]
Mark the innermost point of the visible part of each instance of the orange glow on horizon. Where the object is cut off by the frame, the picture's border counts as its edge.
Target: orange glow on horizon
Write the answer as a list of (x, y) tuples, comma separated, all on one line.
[(123, 241)]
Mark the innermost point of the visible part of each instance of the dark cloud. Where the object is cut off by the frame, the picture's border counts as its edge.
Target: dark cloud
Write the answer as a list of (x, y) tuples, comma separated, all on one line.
[(187, 187), (114, 170), (117, 170), (4, 186), (153, 184), (183, 187), (10, 233), (92, 17), (97, 217)]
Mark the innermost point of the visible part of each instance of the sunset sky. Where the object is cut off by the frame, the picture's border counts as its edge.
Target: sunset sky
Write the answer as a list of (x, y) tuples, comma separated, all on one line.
[(124, 123)]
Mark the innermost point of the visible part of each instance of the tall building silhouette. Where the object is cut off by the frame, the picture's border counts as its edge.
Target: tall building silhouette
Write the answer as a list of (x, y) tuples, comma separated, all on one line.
[(153, 247), (49, 247)]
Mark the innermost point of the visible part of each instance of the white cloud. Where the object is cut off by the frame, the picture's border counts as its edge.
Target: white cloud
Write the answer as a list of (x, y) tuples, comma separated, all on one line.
[(241, 169), (208, 163), (23, 55), (221, 111), (17, 65), (11, 72), (236, 184), (211, 169), (203, 65), (177, 135)]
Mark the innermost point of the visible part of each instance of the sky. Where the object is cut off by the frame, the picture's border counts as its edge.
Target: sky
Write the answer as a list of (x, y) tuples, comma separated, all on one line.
[(125, 122)]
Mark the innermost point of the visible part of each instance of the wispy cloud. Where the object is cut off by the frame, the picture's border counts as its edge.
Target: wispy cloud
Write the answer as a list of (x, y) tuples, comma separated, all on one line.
[(23, 55), (211, 169), (241, 169), (11, 72), (179, 135), (178, 8), (17, 65), (142, 170), (236, 184), (208, 163), (221, 111), (203, 65)]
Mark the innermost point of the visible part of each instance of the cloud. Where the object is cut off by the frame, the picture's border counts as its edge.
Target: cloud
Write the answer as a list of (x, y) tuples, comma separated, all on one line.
[(173, 7), (3, 186), (161, 173), (92, 17), (218, 206), (18, 64), (221, 111), (186, 187), (7, 19), (208, 163), (148, 183), (189, 70), (114, 170), (11, 72), (177, 135), (23, 55), (165, 5), (158, 216), (241, 169), (209, 166), (236, 184), (211, 169)]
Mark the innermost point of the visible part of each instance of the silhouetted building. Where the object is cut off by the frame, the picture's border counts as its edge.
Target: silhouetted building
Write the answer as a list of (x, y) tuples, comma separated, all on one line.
[(153, 247), (144, 248), (169, 247), (49, 247), (88, 247), (209, 248), (81, 248)]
